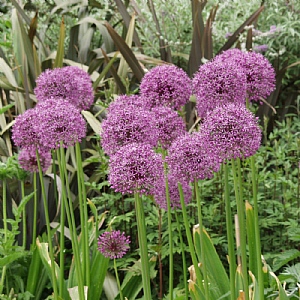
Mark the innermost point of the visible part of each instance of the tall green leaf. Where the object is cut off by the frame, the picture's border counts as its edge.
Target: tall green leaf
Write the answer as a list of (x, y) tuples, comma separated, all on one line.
[(58, 63)]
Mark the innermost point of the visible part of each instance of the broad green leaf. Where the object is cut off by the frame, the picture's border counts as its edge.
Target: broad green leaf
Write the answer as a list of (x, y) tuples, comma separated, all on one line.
[(218, 278), (284, 257), (11, 258), (93, 121), (34, 272)]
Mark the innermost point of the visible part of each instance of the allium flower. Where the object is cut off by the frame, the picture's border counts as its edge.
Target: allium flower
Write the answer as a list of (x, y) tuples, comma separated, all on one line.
[(191, 157), (60, 121), (233, 130), (113, 244), (169, 124), (260, 73), (135, 168), (125, 126), (127, 101), (25, 131), (159, 192), (28, 160), (166, 85), (217, 83), (69, 83)]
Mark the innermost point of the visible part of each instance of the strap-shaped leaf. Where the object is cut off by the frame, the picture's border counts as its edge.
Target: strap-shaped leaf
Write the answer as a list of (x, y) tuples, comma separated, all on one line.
[(126, 52)]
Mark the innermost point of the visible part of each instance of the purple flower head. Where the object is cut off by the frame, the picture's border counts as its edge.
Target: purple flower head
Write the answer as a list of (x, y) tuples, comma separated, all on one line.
[(159, 192), (217, 83), (169, 125), (25, 131), (233, 130), (192, 157), (28, 160), (135, 168), (113, 244), (60, 121), (125, 102), (69, 83), (260, 73), (260, 48), (166, 85), (125, 126)]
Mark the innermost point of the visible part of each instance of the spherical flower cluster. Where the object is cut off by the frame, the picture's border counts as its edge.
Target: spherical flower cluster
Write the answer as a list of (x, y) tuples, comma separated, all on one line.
[(125, 126), (69, 83), (191, 157), (28, 159), (134, 168), (217, 83), (169, 125), (113, 244), (260, 73), (126, 102), (159, 192), (166, 85), (233, 130), (59, 122), (25, 131)]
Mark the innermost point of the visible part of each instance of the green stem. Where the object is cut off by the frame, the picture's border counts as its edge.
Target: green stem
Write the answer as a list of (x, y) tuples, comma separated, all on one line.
[(189, 238), (62, 248), (256, 229), (184, 266), (171, 267), (51, 253), (241, 218), (201, 228), (118, 280), (24, 215), (230, 235), (34, 210), (5, 231), (66, 195), (83, 215), (143, 246)]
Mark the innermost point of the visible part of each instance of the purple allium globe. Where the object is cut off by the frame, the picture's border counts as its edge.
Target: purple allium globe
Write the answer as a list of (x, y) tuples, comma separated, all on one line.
[(135, 168), (127, 101), (159, 192), (125, 126), (259, 71), (113, 244), (28, 160), (217, 83), (192, 157), (69, 83), (166, 85), (169, 125), (60, 122), (25, 131), (233, 130)]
